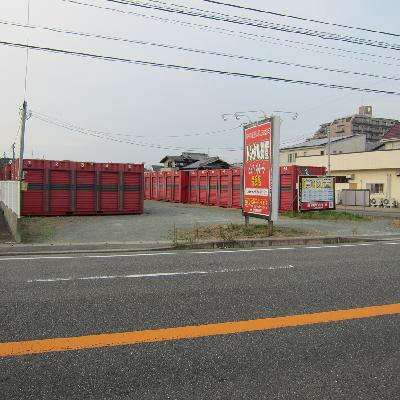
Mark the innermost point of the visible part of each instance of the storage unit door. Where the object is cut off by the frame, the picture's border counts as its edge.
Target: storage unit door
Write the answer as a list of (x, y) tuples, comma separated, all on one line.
[(193, 188), (213, 190), (236, 190), (225, 191), (287, 200), (169, 187), (60, 192), (34, 197), (203, 189), (147, 186), (109, 192), (154, 188), (132, 193), (85, 192)]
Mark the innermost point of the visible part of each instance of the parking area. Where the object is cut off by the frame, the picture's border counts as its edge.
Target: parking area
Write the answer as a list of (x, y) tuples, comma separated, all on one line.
[(158, 221)]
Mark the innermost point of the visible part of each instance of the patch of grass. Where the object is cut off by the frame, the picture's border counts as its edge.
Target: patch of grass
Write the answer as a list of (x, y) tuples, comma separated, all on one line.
[(327, 215), (232, 232)]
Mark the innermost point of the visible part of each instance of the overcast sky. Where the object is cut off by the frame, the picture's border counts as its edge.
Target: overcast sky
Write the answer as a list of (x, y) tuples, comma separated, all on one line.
[(155, 103)]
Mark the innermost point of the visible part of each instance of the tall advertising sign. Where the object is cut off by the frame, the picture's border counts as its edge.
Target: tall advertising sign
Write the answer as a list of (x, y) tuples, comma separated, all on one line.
[(257, 170), (316, 193)]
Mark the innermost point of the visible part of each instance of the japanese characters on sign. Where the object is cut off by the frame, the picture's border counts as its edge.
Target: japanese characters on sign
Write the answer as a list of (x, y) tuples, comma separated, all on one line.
[(257, 170), (316, 193)]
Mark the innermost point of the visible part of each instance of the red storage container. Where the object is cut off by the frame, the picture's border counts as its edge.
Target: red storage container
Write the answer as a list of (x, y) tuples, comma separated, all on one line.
[(237, 188), (147, 185), (131, 189), (193, 192), (85, 186), (225, 188), (180, 187), (202, 179), (78, 188), (161, 185), (213, 187), (35, 198), (154, 186), (169, 185), (289, 175)]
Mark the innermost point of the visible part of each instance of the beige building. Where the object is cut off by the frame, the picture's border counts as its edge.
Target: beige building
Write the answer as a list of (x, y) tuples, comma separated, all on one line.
[(378, 171), (362, 123), (318, 147)]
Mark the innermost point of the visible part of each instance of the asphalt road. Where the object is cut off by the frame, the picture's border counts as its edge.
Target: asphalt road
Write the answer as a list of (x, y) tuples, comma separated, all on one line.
[(61, 297)]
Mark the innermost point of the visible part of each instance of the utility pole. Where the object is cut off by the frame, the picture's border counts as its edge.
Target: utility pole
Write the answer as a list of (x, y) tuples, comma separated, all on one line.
[(329, 149), (22, 140)]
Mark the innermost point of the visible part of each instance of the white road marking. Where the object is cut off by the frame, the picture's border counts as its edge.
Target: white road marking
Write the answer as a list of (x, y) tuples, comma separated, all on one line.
[(86, 256), (159, 274), (154, 254)]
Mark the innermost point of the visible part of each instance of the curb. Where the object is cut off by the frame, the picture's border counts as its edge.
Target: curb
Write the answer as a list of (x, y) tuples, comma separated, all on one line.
[(220, 244)]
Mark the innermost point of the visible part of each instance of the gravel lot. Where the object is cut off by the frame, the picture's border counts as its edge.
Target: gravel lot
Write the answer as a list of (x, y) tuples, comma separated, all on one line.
[(156, 225)]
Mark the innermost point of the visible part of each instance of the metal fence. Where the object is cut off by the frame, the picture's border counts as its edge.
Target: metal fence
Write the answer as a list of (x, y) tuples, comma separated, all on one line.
[(355, 197), (10, 195)]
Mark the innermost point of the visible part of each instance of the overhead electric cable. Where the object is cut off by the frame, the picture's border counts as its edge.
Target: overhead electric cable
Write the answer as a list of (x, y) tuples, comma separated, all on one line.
[(182, 10), (195, 50), (295, 44), (199, 69), (126, 135), (277, 14), (108, 136)]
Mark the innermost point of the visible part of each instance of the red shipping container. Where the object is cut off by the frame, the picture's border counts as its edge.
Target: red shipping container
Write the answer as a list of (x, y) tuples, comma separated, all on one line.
[(169, 185), (213, 187), (147, 185), (193, 190), (85, 188), (154, 186), (180, 186), (237, 174), (225, 188), (77, 188), (288, 200), (202, 178), (161, 185)]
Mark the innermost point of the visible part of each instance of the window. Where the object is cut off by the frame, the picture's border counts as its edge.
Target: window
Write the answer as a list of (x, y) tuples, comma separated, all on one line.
[(375, 187), (322, 152), (292, 157)]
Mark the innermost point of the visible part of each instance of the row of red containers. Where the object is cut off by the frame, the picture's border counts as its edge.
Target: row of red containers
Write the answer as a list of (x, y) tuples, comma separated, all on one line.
[(219, 187), (213, 187), (78, 188)]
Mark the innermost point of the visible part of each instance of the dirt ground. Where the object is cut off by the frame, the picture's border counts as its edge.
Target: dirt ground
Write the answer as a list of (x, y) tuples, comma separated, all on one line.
[(160, 219)]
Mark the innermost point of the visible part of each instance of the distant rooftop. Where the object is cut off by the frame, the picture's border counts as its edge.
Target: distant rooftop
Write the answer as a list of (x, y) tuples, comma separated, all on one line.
[(393, 133), (315, 142)]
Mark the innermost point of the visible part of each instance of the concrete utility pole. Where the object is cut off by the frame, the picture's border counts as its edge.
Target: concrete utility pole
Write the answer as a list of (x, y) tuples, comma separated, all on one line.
[(329, 149), (22, 140)]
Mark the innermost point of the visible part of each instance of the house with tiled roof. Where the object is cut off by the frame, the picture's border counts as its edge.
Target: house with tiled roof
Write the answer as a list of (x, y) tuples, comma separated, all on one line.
[(391, 140)]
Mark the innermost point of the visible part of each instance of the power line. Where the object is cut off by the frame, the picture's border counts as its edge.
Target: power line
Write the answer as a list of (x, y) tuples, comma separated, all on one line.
[(295, 44), (257, 23), (196, 50), (108, 136), (302, 18), (199, 69), (209, 133)]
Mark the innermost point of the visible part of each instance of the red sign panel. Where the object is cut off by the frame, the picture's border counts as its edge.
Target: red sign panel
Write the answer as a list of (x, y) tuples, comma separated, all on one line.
[(257, 170)]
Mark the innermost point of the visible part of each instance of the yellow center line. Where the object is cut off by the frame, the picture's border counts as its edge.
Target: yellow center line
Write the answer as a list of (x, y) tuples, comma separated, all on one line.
[(9, 349)]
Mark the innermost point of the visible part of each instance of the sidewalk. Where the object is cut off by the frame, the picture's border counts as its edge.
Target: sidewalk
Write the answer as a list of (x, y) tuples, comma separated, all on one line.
[(371, 211)]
